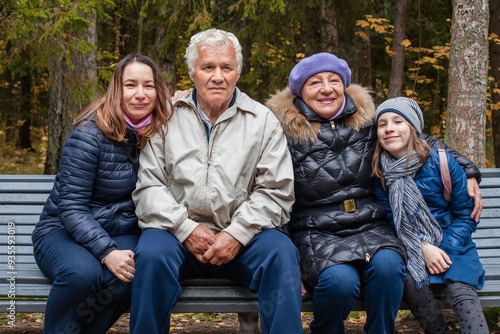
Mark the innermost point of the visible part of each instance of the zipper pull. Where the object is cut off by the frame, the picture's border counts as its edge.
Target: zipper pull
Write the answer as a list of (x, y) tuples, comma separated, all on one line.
[(332, 123), (367, 257)]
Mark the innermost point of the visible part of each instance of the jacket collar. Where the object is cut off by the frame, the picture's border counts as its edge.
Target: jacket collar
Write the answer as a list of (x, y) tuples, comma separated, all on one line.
[(240, 103)]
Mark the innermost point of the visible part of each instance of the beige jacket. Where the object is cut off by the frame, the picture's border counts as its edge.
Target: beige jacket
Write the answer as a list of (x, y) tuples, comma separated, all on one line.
[(240, 181)]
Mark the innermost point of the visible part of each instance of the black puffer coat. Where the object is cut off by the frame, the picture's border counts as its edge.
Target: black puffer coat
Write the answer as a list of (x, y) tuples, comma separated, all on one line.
[(332, 164), (91, 197)]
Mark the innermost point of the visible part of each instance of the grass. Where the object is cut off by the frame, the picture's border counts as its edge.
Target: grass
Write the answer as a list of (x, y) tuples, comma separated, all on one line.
[(493, 318)]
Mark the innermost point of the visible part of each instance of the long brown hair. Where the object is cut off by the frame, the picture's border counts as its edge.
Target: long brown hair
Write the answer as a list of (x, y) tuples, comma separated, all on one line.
[(415, 144), (107, 108)]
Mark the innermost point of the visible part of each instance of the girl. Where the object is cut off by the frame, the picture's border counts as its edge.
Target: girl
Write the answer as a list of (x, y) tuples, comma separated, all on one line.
[(437, 234)]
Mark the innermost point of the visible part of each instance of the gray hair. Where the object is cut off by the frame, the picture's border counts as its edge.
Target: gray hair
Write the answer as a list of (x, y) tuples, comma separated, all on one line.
[(210, 38)]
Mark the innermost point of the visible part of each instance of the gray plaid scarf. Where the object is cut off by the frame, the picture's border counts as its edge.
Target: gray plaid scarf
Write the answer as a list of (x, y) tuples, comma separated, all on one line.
[(413, 221)]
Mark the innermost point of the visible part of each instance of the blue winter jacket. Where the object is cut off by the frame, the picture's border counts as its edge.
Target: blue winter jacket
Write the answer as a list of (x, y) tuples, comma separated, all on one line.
[(454, 219), (91, 197)]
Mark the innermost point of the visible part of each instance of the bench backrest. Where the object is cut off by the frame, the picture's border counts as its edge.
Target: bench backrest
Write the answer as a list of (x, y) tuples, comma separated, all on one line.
[(22, 198)]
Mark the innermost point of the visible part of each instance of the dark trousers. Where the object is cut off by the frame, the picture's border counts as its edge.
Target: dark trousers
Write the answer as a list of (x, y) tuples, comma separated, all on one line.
[(339, 287), (85, 296), (267, 264)]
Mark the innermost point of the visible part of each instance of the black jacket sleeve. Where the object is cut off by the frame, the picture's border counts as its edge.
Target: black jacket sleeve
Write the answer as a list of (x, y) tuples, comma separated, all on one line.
[(469, 168)]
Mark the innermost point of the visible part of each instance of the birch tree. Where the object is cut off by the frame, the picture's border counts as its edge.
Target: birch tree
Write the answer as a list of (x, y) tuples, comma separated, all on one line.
[(495, 74), (468, 71)]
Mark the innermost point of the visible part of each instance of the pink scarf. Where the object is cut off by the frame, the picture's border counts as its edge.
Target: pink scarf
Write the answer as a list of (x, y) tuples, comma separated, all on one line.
[(139, 126)]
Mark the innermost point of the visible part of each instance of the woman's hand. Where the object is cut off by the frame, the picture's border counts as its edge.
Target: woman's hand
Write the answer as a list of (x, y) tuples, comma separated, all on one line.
[(304, 291), (436, 259), (475, 193), (122, 264)]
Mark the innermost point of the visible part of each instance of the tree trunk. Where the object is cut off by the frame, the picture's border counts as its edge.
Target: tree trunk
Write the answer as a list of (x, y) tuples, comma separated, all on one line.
[(24, 130), (466, 115), (71, 89), (365, 73), (309, 30), (6, 92), (165, 49), (7, 96), (495, 73), (246, 44), (329, 33), (55, 115), (166, 60), (398, 59)]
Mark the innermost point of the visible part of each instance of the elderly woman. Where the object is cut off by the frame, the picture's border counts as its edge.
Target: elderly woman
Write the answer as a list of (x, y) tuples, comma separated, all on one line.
[(344, 240), (88, 229)]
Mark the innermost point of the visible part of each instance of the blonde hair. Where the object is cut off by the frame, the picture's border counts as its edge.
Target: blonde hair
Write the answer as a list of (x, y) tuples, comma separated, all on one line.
[(414, 144), (107, 109)]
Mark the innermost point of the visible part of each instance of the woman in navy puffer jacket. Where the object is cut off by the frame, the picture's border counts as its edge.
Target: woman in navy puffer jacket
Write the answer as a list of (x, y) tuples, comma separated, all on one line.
[(88, 227)]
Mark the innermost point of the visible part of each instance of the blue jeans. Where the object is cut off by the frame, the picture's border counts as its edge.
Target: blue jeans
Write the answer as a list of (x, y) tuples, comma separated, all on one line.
[(269, 264), (85, 296), (339, 287)]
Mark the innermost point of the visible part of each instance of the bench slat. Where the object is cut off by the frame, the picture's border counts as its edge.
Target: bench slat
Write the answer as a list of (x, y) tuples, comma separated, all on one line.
[(486, 234), (18, 239), (38, 199), (21, 230), (487, 223), (10, 209), (20, 250), (490, 287), (484, 244), (26, 187), (488, 253), (490, 213), (20, 259), (490, 192), (492, 202), (23, 219)]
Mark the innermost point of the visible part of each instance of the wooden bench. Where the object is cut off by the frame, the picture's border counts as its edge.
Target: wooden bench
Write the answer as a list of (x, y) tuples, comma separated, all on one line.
[(23, 288)]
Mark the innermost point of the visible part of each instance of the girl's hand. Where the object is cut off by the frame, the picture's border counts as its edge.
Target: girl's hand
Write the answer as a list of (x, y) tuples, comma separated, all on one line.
[(122, 264), (436, 260)]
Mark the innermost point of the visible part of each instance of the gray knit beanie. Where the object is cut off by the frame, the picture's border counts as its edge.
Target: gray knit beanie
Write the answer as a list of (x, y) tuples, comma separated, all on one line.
[(405, 107), (320, 62)]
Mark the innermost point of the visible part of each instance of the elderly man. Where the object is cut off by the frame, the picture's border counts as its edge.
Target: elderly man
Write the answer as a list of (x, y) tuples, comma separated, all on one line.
[(210, 195)]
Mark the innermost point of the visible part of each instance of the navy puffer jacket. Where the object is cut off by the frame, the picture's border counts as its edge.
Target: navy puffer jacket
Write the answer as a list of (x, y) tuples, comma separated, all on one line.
[(91, 197)]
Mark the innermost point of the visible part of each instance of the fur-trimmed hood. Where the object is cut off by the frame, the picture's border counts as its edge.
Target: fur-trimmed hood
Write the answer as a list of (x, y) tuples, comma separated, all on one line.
[(300, 129)]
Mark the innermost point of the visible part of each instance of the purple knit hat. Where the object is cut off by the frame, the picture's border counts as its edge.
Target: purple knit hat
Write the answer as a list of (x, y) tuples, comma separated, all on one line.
[(320, 62)]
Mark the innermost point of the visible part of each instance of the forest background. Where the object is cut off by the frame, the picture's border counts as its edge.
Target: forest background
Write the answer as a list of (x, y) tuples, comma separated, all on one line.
[(56, 56)]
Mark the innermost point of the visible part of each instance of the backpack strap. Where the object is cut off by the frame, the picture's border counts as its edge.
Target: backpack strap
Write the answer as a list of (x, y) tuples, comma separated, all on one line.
[(445, 174)]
